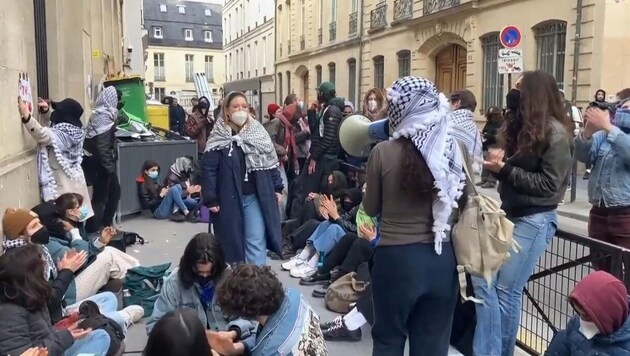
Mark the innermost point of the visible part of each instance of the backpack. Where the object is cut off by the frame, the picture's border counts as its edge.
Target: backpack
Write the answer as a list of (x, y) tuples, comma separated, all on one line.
[(123, 239), (142, 286), (482, 236), (343, 292), (93, 319)]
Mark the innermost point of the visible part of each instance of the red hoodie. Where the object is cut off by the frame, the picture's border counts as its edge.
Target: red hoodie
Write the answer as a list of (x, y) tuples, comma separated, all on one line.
[(604, 298)]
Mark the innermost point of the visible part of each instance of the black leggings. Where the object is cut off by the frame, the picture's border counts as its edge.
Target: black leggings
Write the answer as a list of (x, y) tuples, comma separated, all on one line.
[(105, 198), (348, 254)]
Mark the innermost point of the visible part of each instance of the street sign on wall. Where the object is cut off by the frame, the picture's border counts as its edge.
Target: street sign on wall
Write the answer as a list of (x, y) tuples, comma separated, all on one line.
[(510, 61), (510, 37)]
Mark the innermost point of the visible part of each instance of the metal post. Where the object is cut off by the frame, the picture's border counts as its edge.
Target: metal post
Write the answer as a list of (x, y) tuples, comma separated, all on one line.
[(574, 83), (509, 82)]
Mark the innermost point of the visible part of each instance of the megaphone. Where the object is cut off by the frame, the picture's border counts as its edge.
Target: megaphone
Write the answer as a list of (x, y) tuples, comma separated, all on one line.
[(357, 134)]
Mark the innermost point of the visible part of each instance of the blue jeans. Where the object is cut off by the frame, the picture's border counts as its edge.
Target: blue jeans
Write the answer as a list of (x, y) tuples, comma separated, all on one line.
[(498, 318), (96, 343), (254, 231), (325, 237), (173, 198), (108, 305)]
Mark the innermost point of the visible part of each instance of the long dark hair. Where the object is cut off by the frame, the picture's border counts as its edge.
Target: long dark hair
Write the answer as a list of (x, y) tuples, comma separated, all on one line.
[(540, 102), (202, 248), (178, 332), (22, 279), (418, 180)]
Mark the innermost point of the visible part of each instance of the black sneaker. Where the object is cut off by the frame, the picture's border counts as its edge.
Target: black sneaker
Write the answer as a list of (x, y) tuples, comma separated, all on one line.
[(320, 292), (330, 324), (340, 332), (587, 175), (315, 279), (192, 218), (177, 217)]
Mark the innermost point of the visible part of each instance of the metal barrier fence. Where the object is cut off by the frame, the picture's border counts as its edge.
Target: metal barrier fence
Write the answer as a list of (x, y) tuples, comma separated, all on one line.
[(567, 260)]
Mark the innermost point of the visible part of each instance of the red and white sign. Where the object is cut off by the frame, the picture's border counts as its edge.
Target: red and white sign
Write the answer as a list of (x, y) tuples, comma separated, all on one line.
[(510, 37), (24, 91)]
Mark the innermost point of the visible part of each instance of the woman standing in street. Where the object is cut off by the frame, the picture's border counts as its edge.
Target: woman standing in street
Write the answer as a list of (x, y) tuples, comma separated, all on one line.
[(532, 181), (242, 184)]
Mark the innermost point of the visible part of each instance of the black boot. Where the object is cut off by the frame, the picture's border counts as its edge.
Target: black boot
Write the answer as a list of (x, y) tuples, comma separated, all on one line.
[(315, 279)]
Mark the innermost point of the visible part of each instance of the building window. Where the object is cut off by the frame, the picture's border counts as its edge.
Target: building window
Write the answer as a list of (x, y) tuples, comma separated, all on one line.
[(551, 40), (190, 67), (332, 72), (188, 34), (157, 32), (209, 69), (208, 12), (207, 36), (288, 82), (492, 81), (181, 9), (318, 74), (162, 7), (158, 67), (352, 79), (280, 93), (379, 72), (404, 63), (159, 94)]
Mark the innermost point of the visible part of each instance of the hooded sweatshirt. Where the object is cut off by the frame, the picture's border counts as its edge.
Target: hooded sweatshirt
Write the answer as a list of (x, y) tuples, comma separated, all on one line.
[(604, 299)]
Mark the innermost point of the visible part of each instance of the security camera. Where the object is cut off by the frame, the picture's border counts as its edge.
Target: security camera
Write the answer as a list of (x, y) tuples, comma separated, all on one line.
[(129, 48)]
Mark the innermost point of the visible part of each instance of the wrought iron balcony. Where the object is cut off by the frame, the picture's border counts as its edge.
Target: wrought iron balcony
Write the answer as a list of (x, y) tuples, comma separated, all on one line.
[(378, 17), (332, 27), (403, 10), (320, 36), (433, 6), (302, 43), (353, 23)]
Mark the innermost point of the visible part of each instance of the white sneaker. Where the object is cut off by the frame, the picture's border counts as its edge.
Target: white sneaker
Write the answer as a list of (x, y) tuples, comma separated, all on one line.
[(292, 263), (303, 271), (132, 314)]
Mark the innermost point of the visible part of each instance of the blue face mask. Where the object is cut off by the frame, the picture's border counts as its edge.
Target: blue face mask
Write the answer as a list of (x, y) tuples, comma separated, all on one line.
[(153, 174), (83, 213), (622, 119)]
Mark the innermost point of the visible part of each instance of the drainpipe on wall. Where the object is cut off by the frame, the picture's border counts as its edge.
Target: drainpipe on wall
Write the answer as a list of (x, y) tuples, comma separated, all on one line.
[(574, 83), (359, 78), (275, 48)]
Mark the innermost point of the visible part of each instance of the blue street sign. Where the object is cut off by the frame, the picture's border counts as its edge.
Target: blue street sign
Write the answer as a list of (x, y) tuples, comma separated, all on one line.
[(510, 37)]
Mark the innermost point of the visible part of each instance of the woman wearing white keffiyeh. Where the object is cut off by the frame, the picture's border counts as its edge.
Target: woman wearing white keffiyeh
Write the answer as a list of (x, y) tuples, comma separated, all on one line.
[(414, 182), (241, 184)]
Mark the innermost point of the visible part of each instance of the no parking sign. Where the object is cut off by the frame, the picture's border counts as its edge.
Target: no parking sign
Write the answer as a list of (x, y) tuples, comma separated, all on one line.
[(510, 37)]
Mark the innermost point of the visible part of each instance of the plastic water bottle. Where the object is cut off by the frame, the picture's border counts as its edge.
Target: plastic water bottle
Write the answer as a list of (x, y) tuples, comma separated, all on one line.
[(320, 263)]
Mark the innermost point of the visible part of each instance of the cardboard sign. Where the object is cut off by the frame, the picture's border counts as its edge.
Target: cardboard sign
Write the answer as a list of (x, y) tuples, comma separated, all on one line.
[(24, 91)]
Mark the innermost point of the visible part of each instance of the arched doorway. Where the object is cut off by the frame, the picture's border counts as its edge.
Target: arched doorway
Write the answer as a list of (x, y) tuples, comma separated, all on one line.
[(450, 71), (302, 73)]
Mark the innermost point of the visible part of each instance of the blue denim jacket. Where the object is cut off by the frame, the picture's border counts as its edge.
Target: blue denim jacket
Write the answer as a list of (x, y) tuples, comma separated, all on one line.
[(293, 330), (571, 342), (609, 155)]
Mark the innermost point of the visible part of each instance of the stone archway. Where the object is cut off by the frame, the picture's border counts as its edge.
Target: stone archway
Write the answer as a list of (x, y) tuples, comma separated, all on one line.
[(303, 73)]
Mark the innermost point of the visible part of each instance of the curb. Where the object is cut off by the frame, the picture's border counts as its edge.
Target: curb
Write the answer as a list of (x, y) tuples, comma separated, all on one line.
[(575, 216)]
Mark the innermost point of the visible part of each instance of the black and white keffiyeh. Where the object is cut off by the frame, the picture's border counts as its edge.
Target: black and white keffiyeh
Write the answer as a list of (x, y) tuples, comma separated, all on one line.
[(416, 111), (182, 166), (67, 145), (51, 268), (260, 154), (104, 113), (465, 131)]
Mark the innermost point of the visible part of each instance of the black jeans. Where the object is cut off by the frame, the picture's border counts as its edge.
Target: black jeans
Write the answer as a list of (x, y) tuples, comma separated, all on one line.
[(105, 198), (348, 254), (414, 294)]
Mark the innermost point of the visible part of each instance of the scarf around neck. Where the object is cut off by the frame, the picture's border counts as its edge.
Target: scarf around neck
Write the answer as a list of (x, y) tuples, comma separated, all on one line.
[(182, 166), (66, 143), (104, 113), (51, 268), (289, 135), (417, 112), (465, 131), (260, 153)]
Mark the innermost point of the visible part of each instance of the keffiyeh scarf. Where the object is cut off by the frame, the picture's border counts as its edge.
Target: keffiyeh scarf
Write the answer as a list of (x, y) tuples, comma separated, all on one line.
[(417, 112), (182, 166), (104, 113), (260, 154), (67, 145), (51, 268), (465, 131)]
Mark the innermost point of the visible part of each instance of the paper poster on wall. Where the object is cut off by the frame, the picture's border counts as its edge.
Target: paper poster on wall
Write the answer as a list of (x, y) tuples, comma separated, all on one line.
[(24, 90)]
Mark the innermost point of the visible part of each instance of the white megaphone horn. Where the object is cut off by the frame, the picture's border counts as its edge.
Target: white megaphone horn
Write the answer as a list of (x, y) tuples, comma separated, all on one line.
[(357, 134)]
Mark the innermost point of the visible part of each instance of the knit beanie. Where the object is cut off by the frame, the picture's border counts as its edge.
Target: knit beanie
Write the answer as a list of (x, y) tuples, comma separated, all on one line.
[(327, 89), (14, 222), (271, 109)]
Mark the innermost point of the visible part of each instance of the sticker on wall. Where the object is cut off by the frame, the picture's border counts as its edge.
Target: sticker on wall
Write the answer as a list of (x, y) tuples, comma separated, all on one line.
[(24, 90)]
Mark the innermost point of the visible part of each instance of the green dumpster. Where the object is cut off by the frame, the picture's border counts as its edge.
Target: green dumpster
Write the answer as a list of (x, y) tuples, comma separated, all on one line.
[(132, 89)]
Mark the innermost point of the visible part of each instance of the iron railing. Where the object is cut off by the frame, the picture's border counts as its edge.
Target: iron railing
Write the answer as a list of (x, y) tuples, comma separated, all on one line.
[(568, 259), (320, 36), (378, 17), (302, 43), (403, 10), (353, 23), (332, 28), (432, 6)]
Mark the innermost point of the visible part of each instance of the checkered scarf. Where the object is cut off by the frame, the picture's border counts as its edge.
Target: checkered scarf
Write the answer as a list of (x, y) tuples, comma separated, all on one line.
[(51, 268), (260, 154), (417, 112), (104, 113), (465, 131)]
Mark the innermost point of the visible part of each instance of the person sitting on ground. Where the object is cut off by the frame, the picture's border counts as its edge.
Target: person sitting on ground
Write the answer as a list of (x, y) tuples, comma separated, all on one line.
[(162, 200), (25, 323), (288, 324), (193, 286), (179, 332), (601, 326)]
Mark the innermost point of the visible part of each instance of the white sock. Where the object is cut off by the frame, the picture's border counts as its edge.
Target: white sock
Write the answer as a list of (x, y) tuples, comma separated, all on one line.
[(354, 319), (76, 235), (305, 254), (186, 212), (313, 261)]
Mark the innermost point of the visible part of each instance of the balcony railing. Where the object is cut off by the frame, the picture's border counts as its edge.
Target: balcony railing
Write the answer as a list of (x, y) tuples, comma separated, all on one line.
[(353, 23), (403, 10), (333, 30), (433, 6), (302, 43), (320, 36), (378, 17)]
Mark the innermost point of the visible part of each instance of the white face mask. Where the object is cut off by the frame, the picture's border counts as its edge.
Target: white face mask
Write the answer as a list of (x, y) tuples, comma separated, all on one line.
[(239, 118), (372, 105), (588, 329)]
